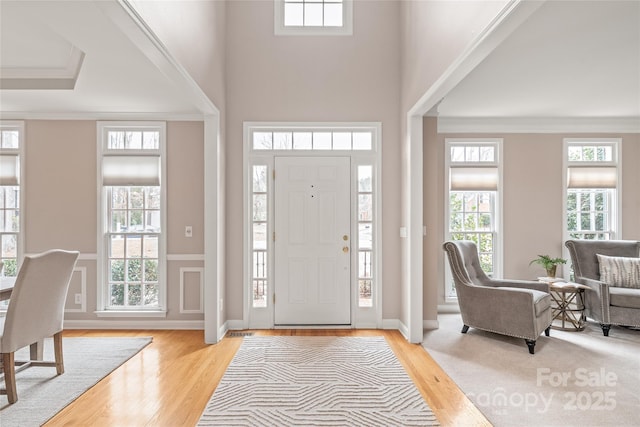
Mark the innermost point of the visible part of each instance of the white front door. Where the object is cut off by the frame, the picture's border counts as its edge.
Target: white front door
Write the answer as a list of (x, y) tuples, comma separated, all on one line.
[(312, 280)]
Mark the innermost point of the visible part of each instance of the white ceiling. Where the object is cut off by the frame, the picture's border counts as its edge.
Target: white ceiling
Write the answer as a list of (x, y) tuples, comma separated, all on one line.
[(569, 59), (40, 37)]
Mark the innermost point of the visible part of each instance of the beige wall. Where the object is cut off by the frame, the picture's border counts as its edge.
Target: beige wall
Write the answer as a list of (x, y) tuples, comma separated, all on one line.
[(61, 191), (295, 78), (434, 35), (60, 186), (532, 200), (195, 34)]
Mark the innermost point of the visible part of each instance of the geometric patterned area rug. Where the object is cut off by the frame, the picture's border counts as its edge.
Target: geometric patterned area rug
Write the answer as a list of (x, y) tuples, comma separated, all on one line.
[(319, 381)]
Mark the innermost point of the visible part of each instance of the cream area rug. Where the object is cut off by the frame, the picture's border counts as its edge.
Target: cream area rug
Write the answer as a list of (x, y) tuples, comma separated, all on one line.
[(573, 379), (42, 393), (316, 381)]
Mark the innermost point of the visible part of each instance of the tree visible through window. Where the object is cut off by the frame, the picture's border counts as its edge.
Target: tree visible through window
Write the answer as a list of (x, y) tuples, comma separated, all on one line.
[(10, 214), (133, 214), (592, 185), (472, 205)]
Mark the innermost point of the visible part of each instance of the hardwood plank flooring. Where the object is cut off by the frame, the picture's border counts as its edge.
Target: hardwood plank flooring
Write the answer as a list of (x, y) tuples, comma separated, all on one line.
[(170, 381)]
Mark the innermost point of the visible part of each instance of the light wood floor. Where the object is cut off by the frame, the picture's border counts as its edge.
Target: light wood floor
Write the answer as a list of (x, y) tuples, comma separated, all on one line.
[(170, 381)]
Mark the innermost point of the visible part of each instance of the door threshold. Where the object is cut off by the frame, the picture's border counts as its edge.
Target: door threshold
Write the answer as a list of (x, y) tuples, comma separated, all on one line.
[(313, 327)]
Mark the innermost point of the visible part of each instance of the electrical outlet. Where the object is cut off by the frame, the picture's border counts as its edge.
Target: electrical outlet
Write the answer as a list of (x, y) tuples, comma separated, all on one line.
[(188, 231), (78, 299), (221, 305)]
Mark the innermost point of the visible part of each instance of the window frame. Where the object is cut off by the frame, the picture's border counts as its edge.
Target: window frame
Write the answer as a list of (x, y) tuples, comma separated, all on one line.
[(103, 128), (281, 30), (614, 196), (496, 199), (20, 152)]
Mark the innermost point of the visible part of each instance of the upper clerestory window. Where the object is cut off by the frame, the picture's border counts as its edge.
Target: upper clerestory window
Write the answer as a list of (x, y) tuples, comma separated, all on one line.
[(313, 17)]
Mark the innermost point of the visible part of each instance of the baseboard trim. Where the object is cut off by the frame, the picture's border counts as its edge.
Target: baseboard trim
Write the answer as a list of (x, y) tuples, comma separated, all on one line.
[(134, 325), (234, 325), (430, 324), (448, 308)]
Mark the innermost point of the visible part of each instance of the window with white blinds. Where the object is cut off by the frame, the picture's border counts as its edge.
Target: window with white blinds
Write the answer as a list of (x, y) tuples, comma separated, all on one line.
[(592, 186), (473, 202), (132, 224), (11, 211)]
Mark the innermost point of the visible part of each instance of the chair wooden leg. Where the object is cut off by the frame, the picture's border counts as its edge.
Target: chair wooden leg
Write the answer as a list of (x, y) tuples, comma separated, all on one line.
[(9, 367), (57, 351)]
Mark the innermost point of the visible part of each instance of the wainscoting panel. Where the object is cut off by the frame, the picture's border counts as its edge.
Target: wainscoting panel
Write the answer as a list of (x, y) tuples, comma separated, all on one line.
[(77, 288), (191, 290)]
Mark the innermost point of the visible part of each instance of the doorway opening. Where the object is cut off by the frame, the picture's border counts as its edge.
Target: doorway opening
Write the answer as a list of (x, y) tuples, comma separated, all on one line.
[(312, 205)]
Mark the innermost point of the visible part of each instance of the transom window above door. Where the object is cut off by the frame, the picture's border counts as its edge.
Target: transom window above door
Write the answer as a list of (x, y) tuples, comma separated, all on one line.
[(344, 139)]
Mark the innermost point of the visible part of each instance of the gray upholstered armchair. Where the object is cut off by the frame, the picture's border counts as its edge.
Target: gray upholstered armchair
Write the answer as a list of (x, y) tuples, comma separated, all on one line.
[(517, 308), (607, 301)]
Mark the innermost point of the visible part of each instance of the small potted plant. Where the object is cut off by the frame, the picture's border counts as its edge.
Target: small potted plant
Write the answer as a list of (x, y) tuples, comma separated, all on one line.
[(549, 264)]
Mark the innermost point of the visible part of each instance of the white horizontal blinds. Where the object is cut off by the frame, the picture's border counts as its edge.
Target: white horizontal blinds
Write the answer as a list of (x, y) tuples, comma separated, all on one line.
[(473, 179), (9, 169), (592, 177), (120, 170)]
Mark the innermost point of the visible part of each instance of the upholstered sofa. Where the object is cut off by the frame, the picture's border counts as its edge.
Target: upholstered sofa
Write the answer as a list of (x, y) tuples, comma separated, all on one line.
[(611, 270), (517, 308)]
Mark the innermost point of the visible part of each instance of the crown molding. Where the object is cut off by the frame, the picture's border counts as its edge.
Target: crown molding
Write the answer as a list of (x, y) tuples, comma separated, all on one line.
[(92, 115), (31, 78), (539, 125)]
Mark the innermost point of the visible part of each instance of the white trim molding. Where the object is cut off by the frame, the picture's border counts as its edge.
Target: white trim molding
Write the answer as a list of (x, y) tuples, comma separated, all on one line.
[(134, 324), (200, 272), (185, 257), (430, 324), (281, 30), (83, 292), (538, 125), (130, 313)]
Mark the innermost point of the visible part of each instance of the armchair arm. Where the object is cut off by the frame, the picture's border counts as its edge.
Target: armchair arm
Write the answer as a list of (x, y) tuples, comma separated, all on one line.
[(500, 309), (596, 299), (601, 288), (521, 284)]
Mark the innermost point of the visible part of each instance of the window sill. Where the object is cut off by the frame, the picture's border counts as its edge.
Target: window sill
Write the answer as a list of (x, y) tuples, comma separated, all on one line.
[(131, 313)]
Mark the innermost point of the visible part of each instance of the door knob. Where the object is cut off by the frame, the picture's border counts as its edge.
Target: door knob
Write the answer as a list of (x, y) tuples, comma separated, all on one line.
[(345, 249)]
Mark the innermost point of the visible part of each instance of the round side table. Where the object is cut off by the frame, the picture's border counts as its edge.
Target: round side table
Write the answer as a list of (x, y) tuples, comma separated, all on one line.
[(567, 307)]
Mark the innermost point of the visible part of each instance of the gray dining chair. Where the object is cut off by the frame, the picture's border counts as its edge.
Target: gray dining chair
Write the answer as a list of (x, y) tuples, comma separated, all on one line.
[(35, 312)]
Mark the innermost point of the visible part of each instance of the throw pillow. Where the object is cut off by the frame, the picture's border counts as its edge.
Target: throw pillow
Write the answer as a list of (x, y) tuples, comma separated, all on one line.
[(619, 271)]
